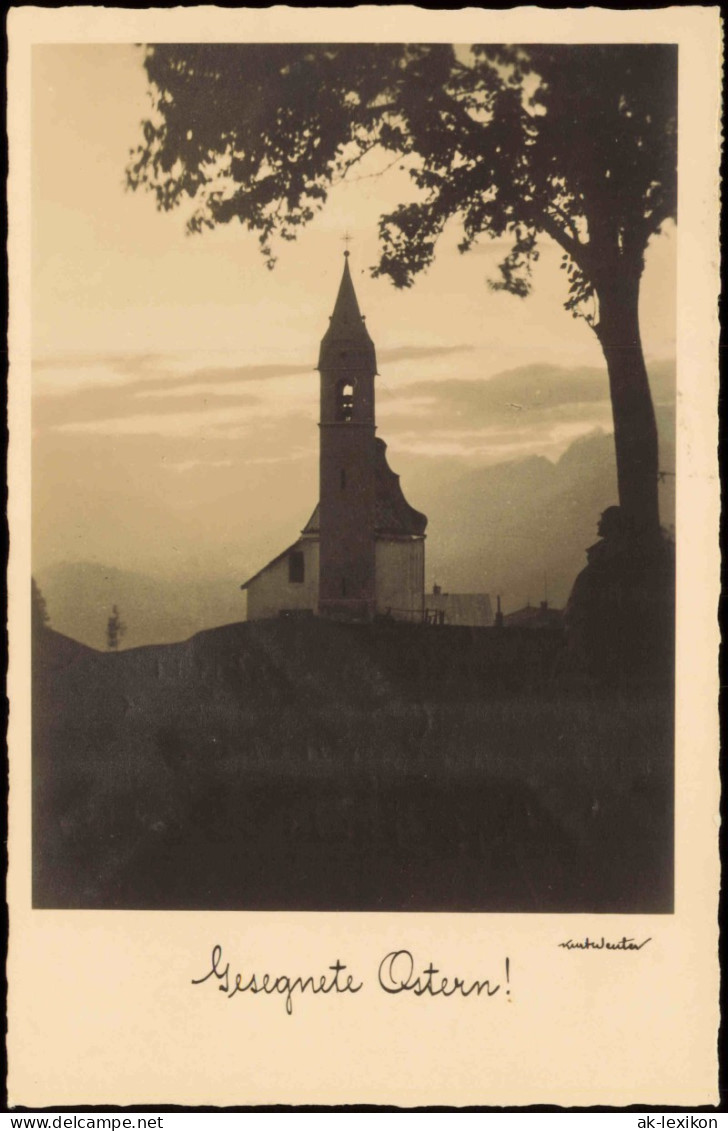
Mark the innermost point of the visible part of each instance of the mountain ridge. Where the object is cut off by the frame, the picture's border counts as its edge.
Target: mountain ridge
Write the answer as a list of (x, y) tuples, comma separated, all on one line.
[(519, 529)]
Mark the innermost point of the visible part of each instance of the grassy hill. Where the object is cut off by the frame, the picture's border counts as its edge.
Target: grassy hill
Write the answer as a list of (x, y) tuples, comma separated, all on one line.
[(310, 765)]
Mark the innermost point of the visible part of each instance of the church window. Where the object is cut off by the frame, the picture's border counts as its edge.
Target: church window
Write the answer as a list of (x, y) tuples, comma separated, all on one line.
[(344, 401), (296, 567)]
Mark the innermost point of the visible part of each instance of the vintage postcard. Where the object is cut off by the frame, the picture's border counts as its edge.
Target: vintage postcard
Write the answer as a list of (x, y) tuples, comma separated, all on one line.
[(364, 556)]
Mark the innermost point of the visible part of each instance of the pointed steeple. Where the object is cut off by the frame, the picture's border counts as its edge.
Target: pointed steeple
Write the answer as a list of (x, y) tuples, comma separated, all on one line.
[(347, 324), (346, 316)]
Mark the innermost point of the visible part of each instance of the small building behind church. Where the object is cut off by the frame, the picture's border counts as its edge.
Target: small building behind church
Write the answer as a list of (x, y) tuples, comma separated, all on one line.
[(473, 609), (540, 616)]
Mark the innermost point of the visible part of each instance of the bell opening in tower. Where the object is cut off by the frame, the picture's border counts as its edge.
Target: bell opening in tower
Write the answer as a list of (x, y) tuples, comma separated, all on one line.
[(345, 402)]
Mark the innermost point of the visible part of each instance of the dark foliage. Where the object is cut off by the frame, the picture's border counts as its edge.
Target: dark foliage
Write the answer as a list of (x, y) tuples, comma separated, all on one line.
[(575, 142), (578, 142)]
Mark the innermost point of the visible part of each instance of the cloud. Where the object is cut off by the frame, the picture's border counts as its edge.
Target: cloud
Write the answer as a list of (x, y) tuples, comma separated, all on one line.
[(527, 397), (414, 353), (406, 406), (284, 457), (275, 437), (108, 389), (106, 409), (531, 388), (168, 373), (535, 409), (194, 464), (97, 393), (222, 374), (532, 407), (489, 445), (66, 374), (528, 406), (116, 362), (166, 423)]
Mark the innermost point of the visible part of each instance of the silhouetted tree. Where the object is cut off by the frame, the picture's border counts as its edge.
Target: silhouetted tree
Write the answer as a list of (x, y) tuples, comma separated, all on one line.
[(115, 630), (38, 607), (574, 142), (620, 621)]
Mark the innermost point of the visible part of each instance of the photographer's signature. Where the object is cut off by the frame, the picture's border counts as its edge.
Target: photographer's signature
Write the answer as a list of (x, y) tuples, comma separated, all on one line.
[(603, 944)]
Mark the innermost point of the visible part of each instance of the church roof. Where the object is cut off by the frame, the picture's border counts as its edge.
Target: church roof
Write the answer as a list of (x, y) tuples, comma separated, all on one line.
[(272, 562), (393, 514)]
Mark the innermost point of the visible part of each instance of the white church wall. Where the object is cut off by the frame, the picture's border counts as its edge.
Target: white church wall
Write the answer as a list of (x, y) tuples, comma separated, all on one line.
[(271, 592), (400, 577)]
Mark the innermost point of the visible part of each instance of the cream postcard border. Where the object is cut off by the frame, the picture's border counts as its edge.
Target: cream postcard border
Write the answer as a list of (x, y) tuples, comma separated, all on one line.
[(101, 1010)]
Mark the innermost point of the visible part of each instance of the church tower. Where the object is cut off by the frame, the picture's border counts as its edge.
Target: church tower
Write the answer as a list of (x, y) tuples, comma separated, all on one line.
[(362, 552), (347, 467)]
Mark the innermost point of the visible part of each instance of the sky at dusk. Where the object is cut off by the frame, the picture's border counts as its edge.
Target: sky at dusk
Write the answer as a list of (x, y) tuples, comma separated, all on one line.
[(175, 396)]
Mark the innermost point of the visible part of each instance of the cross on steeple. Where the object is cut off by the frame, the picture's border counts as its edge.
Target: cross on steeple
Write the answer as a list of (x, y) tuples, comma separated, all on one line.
[(346, 239)]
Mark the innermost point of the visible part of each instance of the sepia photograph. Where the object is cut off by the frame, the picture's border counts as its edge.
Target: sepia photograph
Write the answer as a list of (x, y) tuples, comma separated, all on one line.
[(364, 572), (354, 476)]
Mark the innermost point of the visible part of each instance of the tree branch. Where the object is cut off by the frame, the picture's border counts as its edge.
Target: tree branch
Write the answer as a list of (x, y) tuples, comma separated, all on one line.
[(380, 172), (578, 251), (363, 151)]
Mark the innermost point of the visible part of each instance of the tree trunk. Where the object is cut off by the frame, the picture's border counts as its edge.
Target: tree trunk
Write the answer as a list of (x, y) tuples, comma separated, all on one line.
[(635, 429)]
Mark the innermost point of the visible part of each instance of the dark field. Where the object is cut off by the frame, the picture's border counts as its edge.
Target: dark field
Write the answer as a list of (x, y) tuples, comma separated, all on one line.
[(308, 765)]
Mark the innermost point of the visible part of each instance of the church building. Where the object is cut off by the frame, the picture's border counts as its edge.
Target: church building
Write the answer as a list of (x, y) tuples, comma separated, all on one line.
[(362, 552)]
